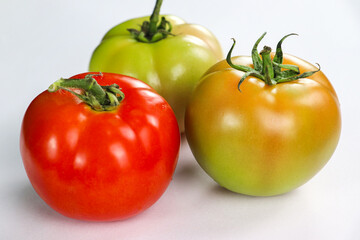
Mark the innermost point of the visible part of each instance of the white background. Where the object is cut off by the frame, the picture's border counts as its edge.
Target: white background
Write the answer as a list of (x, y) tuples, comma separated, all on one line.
[(41, 41)]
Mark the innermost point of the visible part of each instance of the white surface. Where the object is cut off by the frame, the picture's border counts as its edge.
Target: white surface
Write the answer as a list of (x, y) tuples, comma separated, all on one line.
[(43, 40)]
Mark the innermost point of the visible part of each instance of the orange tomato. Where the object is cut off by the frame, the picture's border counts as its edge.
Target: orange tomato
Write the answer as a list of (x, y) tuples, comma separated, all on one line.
[(265, 139)]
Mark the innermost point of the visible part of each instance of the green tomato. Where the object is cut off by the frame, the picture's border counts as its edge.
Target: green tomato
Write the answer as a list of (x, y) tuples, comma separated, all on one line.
[(172, 65)]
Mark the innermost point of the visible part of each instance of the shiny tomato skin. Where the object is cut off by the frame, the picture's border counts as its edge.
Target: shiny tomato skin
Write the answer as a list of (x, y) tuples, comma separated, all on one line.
[(264, 140), (100, 166)]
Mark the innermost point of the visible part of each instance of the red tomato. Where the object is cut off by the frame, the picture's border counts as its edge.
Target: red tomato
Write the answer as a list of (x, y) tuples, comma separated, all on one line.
[(100, 166)]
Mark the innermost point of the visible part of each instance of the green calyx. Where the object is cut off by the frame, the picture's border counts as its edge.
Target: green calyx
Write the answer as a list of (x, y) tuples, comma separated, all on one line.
[(153, 31), (100, 98), (267, 69)]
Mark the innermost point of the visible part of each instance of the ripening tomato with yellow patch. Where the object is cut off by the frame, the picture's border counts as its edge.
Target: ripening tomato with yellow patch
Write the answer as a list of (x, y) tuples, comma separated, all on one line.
[(263, 125)]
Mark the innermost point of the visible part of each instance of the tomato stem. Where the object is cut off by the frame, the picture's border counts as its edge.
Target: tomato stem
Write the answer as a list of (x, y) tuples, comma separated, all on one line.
[(100, 98), (267, 69), (152, 31), (154, 18)]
